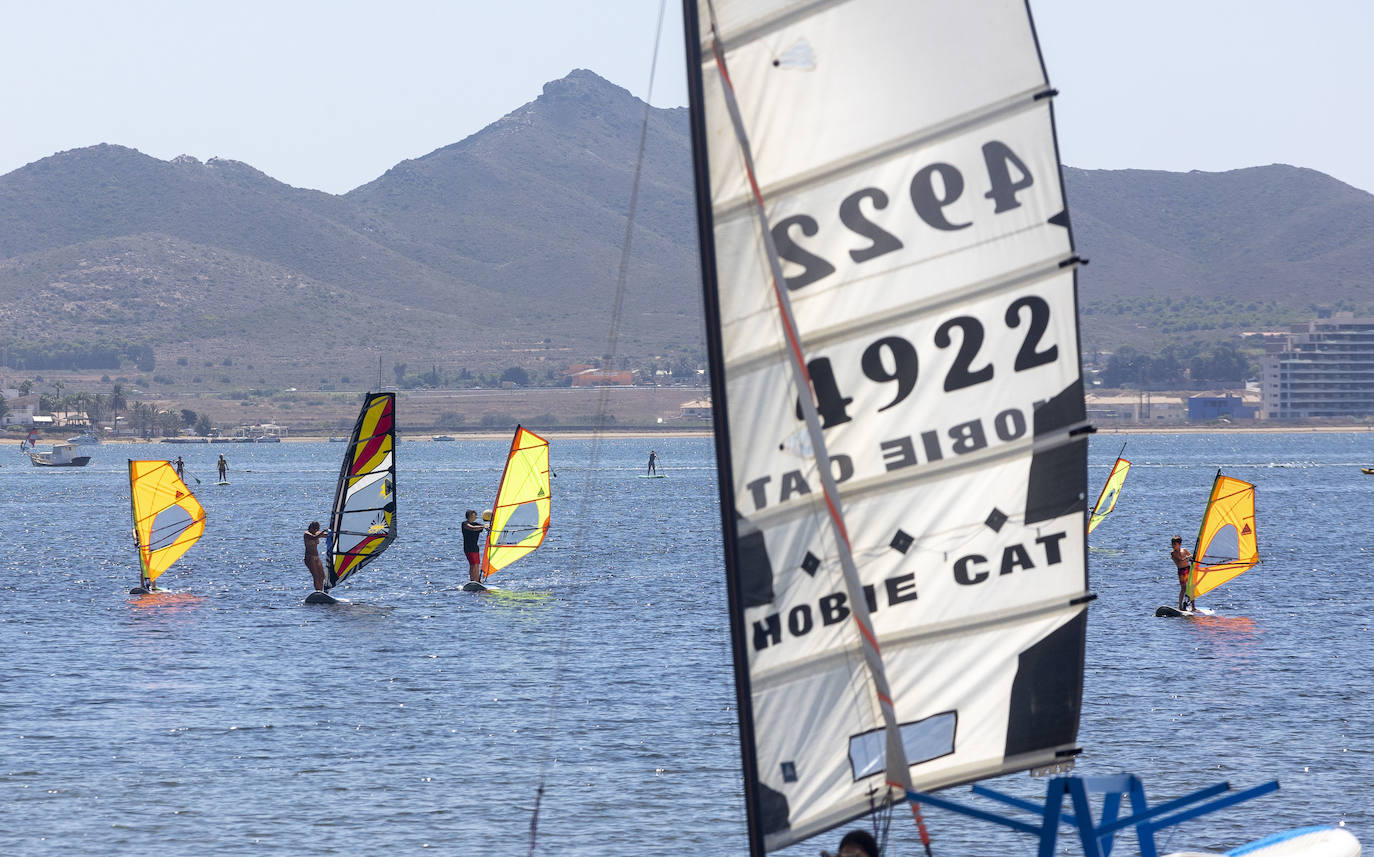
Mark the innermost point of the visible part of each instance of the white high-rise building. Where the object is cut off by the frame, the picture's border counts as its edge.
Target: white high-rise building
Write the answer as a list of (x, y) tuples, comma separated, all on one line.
[(1325, 370)]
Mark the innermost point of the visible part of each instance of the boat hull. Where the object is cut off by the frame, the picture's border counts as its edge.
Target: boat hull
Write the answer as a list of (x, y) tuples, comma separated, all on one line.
[(1303, 842), (43, 459)]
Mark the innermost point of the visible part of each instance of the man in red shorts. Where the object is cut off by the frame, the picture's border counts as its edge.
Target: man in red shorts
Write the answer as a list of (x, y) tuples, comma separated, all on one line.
[(472, 531), (1183, 559)]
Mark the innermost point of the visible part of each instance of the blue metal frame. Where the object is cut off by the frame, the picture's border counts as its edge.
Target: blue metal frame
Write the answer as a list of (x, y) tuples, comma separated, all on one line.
[(1098, 836)]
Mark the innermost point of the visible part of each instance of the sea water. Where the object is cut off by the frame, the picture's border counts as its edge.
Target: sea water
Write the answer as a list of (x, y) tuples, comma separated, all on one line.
[(226, 717)]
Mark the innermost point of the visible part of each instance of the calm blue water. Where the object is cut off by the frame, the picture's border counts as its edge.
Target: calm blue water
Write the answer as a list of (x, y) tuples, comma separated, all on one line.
[(230, 719)]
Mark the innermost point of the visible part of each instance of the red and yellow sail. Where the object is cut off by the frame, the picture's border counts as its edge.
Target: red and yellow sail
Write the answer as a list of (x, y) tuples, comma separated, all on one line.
[(1227, 543), (364, 519), (520, 516), (168, 518)]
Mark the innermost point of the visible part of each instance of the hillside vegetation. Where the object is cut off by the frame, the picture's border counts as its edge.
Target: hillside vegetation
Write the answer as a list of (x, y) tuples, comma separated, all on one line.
[(502, 251)]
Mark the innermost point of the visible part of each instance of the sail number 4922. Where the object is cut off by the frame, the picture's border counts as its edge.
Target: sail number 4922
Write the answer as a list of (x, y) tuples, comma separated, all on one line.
[(929, 197), (965, 370)]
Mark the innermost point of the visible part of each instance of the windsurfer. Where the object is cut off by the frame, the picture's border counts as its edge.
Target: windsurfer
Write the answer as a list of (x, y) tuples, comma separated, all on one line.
[(313, 534), (653, 457), (472, 530), (1182, 561), (223, 469)]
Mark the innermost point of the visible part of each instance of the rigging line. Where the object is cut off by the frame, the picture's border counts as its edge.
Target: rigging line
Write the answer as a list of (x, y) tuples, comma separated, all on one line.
[(599, 427)]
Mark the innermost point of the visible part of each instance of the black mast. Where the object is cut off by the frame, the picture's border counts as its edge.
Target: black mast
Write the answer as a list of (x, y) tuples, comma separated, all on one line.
[(724, 472)]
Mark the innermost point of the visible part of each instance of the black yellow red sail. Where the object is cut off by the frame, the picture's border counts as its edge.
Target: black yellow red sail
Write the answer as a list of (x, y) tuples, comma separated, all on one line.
[(363, 523), (168, 519)]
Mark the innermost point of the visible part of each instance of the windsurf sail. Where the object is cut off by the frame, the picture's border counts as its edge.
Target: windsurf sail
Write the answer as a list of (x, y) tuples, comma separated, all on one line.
[(1227, 543), (168, 518), (520, 515), (364, 520), (1106, 501), (29, 442), (889, 284)]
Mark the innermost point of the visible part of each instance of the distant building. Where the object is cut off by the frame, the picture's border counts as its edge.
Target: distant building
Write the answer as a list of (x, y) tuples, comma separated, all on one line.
[(1324, 369), (1206, 407), (696, 409), (602, 378), (1135, 407)]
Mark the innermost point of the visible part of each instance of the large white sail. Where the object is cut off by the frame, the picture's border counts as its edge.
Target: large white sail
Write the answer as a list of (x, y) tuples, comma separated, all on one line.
[(894, 161)]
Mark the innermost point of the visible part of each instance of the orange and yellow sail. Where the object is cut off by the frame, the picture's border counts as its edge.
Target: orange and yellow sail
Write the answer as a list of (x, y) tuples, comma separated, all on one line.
[(520, 516), (363, 523), (1227, 543), (168, 518), (1106, 501)]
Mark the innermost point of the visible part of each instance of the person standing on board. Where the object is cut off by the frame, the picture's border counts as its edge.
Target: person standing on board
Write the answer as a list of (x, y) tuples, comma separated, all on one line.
[(1182, 561), (653, 456), (223, 469), (181, 468), (472, 531), (313, 534)]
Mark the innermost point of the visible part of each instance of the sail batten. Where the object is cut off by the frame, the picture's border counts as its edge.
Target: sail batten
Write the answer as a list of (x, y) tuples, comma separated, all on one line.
[(890, 289), (363, 522)]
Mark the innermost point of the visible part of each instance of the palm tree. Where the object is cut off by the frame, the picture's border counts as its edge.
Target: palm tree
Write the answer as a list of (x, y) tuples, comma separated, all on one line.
[(117, 403)]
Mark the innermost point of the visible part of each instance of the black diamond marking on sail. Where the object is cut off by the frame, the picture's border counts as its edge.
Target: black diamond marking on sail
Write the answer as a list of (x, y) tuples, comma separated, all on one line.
[(811, 563), (996, 518), (789, 772), (901, 542)]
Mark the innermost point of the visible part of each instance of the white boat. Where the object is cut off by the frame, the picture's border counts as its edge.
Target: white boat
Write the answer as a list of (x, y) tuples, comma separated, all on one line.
[(86, 439), (61, 455), (445, 437)]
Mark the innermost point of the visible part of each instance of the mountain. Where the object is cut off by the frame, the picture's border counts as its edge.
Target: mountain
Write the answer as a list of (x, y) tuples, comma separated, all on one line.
[(504, 249)]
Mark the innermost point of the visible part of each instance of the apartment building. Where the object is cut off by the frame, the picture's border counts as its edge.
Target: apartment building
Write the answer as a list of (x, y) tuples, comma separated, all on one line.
[(1325, 369)]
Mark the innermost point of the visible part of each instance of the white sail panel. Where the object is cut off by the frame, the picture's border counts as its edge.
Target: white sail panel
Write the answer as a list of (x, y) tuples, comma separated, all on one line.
[(910, 188)]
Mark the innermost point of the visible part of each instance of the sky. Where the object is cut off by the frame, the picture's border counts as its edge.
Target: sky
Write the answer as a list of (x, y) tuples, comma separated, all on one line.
[(329, 95)]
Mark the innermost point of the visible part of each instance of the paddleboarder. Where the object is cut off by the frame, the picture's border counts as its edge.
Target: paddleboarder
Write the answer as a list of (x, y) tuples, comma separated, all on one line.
[(181, 468), (472, 531), (313, 534), (1183, 559), (653, 457), (223, 469)]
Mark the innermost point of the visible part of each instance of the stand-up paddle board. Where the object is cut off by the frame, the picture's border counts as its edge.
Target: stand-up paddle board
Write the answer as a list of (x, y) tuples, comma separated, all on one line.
[(222, 482), (653, 476), (323, 598)]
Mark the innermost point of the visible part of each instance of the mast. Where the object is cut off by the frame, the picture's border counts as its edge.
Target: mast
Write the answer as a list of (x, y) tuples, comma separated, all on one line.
[(1198, 546), (721, 424)]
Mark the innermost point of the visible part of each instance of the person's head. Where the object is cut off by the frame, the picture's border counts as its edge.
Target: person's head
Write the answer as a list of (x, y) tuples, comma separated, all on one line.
[(858, 843), (470, 514), (1176, 540), (314, 525)]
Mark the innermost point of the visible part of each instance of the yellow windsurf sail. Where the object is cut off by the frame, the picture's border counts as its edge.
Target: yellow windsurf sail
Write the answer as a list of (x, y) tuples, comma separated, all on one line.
[(168, 518), (1227, 544), (520, 517), (1106, 501)]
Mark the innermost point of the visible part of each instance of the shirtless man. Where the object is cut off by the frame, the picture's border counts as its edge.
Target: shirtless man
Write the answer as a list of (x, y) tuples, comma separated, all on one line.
[(1182, 561), (313, 534)]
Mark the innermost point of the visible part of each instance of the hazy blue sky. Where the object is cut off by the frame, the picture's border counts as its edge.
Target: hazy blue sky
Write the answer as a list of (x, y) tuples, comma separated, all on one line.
[(329, 95)]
